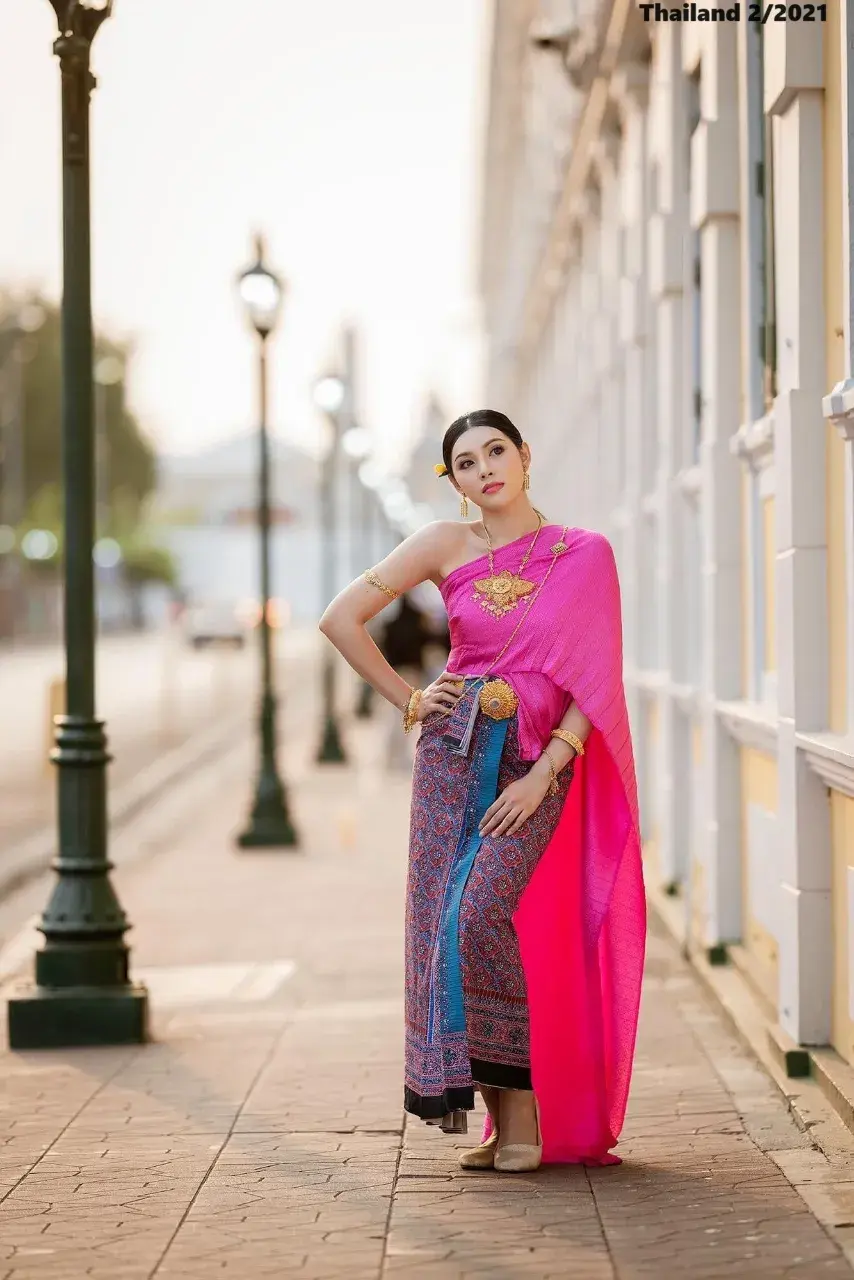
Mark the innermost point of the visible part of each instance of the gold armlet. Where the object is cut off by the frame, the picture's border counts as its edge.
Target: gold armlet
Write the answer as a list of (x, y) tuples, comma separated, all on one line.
[(552, 771), (411, 711), (570, 739), (371, 578)]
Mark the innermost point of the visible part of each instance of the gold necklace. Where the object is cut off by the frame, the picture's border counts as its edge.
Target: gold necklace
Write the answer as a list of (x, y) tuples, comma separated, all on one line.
[(500, 593)]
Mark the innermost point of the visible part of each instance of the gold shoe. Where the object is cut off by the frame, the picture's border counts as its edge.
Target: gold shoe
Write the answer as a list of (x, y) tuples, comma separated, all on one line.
[(482, 1157), (521, 1157)]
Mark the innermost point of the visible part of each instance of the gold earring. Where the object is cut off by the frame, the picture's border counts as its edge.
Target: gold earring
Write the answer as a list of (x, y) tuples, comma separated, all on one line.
[(526, 483), (464, 506)]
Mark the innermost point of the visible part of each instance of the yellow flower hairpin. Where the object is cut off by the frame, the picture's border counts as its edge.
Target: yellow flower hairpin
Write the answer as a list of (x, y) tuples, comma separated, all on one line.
[(440, 469)]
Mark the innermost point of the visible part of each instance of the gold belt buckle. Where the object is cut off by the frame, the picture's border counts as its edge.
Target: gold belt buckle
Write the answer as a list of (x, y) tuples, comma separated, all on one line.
[(497, 700)]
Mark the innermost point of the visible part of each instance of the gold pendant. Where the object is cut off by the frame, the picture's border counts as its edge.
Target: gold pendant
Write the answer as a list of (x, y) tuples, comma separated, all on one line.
[(502, 592), (559, 548)]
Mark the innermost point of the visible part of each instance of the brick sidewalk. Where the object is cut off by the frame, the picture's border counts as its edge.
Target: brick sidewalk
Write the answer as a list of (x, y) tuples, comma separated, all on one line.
[(262, 1134)]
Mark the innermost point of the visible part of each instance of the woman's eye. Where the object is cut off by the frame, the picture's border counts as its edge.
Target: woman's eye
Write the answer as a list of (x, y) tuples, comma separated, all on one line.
[(497, 449)]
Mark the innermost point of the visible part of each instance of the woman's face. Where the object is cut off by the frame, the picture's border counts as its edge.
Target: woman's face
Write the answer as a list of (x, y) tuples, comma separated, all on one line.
[(488, 468)]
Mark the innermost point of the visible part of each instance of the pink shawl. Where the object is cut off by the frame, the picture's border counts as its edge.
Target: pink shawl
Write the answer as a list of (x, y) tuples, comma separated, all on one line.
[(582, 920)]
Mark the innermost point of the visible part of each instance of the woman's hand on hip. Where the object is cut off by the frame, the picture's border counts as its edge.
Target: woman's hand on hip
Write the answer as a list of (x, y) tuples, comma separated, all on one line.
[(515, 805), (442, 695)]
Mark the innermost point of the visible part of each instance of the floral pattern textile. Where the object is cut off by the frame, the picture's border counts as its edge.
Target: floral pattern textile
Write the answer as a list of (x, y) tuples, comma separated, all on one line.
[(494, 1049)]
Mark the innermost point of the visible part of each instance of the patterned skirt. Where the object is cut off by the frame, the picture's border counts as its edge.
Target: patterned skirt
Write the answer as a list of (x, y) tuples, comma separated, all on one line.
[(466, 998)]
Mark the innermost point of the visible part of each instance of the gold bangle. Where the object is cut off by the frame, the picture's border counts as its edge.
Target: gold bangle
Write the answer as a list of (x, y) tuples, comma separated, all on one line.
[(411, 710), (370, 577), (570, 739), (552, 771)]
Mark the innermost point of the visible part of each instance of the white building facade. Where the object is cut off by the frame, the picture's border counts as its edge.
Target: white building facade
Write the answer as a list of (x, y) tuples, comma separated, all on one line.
[(666, 284)]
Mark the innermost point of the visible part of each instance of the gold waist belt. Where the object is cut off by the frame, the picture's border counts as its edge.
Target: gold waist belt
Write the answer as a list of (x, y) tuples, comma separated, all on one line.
[(497, 700)]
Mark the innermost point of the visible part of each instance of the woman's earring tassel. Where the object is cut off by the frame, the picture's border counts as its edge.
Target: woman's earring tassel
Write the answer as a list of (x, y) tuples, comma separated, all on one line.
[(526, 483), (464, 506)]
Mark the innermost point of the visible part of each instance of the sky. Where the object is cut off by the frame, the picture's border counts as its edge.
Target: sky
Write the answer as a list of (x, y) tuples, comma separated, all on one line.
[(349, 133)]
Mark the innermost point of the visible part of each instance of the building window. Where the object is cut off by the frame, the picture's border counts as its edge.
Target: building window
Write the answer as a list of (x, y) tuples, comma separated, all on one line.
[(694, 289), (759, 284), (759, 263), (768, 296)]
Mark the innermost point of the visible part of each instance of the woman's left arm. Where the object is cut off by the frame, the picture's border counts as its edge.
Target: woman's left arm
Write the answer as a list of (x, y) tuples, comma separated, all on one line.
[(517, 802), (574, 722)]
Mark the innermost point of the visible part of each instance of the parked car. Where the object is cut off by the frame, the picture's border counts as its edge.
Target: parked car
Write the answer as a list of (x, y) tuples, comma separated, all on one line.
[(214, 622)]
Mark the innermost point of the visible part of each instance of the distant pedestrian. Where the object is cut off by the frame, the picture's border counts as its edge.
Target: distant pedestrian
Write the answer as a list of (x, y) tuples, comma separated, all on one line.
[(403, 642), (525, 920)]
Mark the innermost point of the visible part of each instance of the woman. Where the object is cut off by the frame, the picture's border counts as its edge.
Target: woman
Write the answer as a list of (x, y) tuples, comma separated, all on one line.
[(525, 915)]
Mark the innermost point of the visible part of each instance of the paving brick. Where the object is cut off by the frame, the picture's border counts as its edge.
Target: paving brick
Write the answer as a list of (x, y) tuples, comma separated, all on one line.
[(267, 1138)]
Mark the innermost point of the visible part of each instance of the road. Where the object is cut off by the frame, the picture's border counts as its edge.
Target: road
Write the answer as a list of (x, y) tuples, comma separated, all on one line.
[(153, 690)]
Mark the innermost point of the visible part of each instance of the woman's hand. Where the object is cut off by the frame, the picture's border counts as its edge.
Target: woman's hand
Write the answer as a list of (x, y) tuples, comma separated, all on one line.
[(516, 803), (442, 695)]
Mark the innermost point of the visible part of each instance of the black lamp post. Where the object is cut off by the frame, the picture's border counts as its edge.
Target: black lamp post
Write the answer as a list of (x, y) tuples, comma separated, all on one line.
[(356, 443), (330, 395), (270, 824), (82, 994)]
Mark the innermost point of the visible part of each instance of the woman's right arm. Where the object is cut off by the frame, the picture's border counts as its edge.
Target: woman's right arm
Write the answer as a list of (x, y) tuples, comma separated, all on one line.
[(418, 559)]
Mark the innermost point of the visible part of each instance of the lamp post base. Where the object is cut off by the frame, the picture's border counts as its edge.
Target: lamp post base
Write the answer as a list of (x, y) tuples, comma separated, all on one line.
[(331, 749), (365, 702), (77, 1017), (270, 825)]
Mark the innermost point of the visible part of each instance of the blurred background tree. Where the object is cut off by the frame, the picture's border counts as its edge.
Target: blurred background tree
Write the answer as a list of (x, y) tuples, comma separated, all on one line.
[(128, 455)]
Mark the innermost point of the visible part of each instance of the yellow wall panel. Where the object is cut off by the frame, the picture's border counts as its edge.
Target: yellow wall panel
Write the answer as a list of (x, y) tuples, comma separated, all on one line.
[(698, 904), (759, 786), (842, 837), (759, 779)]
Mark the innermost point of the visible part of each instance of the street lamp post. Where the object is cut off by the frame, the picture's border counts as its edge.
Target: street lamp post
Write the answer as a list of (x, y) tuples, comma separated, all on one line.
[(82, 993), (371, 478), (356, 443), (270, 824), (329, 396)]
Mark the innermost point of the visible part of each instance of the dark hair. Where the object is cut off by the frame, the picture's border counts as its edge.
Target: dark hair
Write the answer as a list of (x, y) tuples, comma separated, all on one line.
[(480, 418)]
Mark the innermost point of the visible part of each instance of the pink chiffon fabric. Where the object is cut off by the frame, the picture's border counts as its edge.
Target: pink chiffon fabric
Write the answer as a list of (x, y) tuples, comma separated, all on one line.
[(582, 919)]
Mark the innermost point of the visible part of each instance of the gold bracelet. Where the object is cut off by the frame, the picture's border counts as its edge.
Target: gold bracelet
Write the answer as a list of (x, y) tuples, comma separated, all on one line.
[(552, 771), (370, 577), (570, 739), (411, 711)]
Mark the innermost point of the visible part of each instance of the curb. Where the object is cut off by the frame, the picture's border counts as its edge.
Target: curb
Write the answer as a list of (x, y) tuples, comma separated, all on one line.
[(30, 858), (807, 1102)]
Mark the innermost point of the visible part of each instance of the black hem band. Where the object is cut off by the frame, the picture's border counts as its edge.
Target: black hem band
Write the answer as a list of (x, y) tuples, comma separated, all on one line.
[(500, 1076), (496, 1075), (437, 1106)]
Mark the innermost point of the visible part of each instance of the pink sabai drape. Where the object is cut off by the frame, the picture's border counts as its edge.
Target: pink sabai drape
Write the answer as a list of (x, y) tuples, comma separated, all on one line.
[(582, 920)]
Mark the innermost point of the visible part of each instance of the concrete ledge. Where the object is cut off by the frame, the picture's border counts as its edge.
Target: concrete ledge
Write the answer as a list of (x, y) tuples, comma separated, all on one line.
[(836, 1080), (791, 1057), (821, 1101)]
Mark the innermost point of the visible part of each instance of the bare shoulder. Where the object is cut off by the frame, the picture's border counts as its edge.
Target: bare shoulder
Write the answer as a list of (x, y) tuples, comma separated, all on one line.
[(420, 556), (442, 537), (441, 531)]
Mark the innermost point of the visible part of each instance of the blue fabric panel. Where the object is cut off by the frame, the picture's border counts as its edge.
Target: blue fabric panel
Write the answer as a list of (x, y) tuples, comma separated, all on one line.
[(483, 789)]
